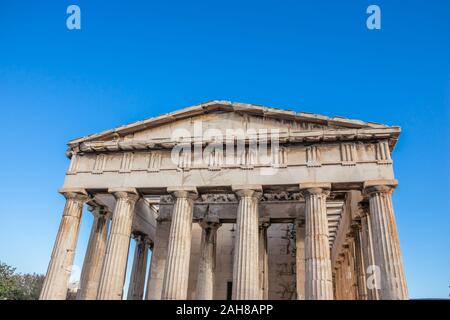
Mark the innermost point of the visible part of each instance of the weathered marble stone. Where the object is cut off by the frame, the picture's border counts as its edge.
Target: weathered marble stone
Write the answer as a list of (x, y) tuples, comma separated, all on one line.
[(95, 255), (137, 282), (57, 279), (318, 280), (115, 264), (246, 263), (176, 273), (207, 263), (161, 176)]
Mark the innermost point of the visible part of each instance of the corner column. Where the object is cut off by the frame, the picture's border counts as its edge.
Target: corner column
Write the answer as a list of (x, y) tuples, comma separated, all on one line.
[(318, 282), (114, 268), (246, 263), (95, 255), (207, 264), (386, 245), (137, 281), (58, 273), (176, 275)]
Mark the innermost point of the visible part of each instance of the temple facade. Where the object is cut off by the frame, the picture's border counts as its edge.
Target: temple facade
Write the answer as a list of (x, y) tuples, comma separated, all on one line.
[(233, 201)]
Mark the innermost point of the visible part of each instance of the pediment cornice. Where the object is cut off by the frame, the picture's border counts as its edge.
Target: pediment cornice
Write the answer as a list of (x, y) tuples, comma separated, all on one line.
[(227, 106), (285, 137)]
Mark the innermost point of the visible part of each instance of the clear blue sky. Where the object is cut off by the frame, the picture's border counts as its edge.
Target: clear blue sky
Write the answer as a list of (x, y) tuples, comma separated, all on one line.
[(135, 59)]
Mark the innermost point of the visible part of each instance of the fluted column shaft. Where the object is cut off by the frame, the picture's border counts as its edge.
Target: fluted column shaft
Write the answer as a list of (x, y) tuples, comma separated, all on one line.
[(58, 273), (338, 280), (207, 263), (300, 259), (368, 257), (137, 281), (95, 255), (263, 260), (114, 268), (318, 283), (359, 263), (246, 263), (176, 275), (339, 284), (352, 271), (158, 261), (386, 245)]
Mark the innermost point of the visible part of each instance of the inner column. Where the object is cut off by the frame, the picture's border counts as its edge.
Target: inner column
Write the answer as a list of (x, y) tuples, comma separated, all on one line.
[(318, 278), (176, 275), (138, 271), (115, 265), (207, 264), (246, 263)]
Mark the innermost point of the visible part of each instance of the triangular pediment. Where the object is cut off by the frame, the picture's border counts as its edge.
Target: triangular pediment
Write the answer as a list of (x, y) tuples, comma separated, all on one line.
[(222, 115)]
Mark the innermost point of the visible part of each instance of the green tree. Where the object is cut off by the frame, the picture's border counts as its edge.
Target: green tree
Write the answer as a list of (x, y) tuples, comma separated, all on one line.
[(29, 286), (17, 286), (7, 282)]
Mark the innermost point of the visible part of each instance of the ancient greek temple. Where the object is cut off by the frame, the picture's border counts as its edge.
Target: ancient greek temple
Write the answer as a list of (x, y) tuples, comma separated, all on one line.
[(234, 201)]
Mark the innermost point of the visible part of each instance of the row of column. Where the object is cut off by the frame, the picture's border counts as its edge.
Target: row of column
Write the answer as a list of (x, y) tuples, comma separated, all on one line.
[(104, 267), (250, 264), (370, 266)]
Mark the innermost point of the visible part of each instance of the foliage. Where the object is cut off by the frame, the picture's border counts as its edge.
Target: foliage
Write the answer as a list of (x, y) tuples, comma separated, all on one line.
[(17, 286)]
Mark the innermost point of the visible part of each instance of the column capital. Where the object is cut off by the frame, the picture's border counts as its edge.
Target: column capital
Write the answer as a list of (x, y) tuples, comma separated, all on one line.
[(77, 194), (98, 210), (139, 237), (299, 222), (315, 188), (264, 222), (379, 186), (363, 208), (183, 192), (210, 222), (355, 226), (125, 193), (162, 217), (247, 190)]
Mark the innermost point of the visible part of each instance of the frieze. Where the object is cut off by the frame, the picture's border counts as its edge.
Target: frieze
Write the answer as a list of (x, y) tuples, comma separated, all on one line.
[(281, 196), (217, 198)]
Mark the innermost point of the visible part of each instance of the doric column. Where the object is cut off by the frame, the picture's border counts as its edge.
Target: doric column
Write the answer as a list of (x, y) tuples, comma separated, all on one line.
[(246, 263), (264, 223), (137, 281), (115, 265), (176, 273), (58, 273), (207, 263), (359, 262), (158, 261), (300, 258), (333, 280), (353, 285), (367, 251), (95, 254), (339, 280), (347, 274), (386, 245), (149, 272), (318, 282), (342, 279)]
